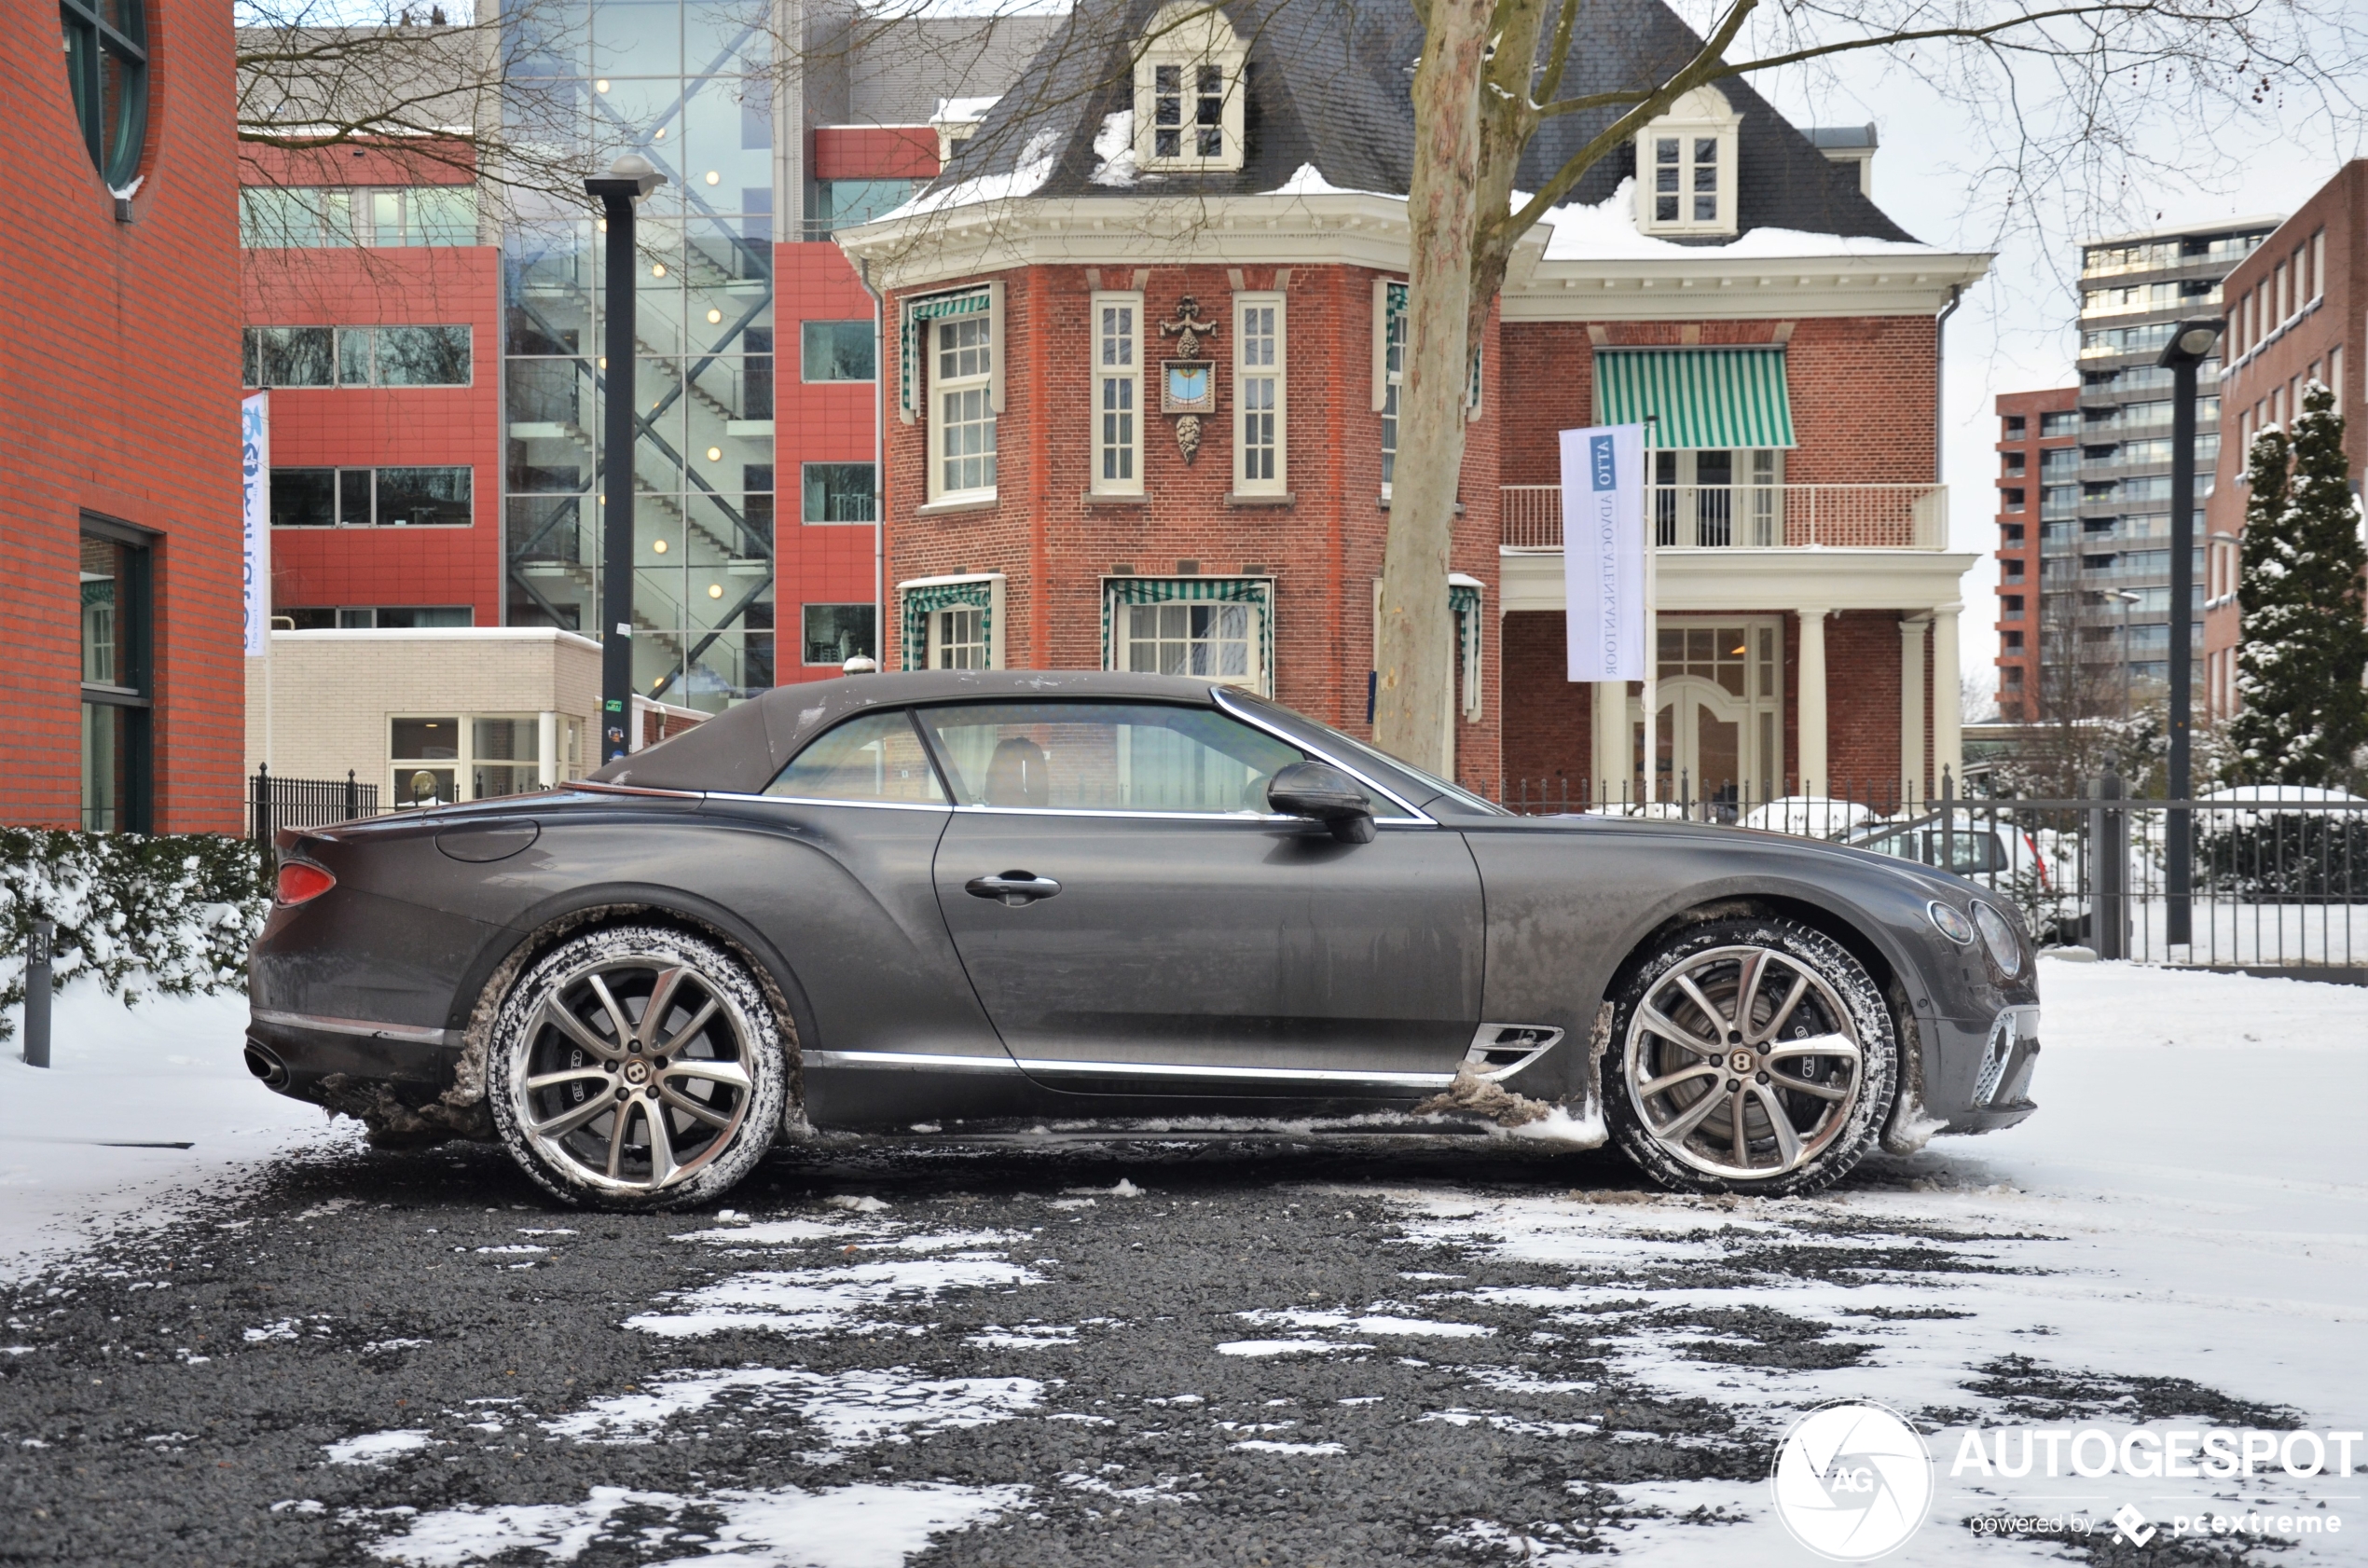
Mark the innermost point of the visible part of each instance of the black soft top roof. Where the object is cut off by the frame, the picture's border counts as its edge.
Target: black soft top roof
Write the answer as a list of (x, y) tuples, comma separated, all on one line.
[(740, 749)]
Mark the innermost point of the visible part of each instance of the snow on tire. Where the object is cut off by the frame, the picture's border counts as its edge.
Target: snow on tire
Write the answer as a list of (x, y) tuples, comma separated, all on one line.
[(637, 1066), (1752, 1055)]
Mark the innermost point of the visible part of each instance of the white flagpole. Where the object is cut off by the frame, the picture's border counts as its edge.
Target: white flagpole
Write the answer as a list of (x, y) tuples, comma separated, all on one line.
[(1650, 785)]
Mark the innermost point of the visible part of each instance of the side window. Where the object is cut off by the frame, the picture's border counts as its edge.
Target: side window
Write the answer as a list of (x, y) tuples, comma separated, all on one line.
[(1107, 757), (875, 757)]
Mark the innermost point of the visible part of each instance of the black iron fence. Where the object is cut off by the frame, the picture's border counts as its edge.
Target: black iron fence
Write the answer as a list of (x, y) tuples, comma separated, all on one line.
[(274, 802), (2278, 877)]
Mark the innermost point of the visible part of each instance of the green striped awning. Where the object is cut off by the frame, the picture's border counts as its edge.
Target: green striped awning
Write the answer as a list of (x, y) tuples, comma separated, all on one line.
[(912, 337), (1698, 397)]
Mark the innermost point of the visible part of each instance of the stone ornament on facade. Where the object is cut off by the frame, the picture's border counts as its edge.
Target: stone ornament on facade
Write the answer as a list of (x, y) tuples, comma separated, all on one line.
[(1188, 385)]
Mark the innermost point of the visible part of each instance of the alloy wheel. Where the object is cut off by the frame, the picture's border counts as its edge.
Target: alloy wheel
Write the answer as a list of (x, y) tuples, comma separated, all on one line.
[(635, 1074), (1742, 1062)]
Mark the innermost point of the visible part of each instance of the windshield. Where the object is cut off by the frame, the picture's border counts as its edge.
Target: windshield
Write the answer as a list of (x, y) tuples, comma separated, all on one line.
[(1448, 798)]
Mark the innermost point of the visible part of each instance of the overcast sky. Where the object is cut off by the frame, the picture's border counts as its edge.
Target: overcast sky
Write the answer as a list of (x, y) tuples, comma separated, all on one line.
[(2016, 330)]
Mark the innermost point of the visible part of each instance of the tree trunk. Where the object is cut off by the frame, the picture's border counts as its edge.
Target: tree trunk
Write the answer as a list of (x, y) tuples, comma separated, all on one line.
[(1413, 641)]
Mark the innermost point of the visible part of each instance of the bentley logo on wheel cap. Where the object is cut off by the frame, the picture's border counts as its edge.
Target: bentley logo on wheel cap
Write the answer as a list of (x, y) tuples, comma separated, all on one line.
[(637, 1072), (1742, 1061)]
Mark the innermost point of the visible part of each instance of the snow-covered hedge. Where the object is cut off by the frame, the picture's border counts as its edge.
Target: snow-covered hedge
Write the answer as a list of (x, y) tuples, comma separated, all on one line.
[(172, 913)]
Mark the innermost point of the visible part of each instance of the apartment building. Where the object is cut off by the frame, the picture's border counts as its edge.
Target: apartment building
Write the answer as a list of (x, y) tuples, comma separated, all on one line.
[(2038, 484)]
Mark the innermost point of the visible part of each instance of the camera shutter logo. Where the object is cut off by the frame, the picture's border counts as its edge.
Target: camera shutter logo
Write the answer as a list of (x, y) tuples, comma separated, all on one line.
[(1851, 1481)]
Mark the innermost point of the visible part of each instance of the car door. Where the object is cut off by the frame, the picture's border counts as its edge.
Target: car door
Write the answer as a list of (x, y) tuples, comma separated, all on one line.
[(1134, 920)]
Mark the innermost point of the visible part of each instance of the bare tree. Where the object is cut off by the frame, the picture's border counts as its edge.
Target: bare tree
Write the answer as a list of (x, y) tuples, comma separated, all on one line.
[(1492, 75)]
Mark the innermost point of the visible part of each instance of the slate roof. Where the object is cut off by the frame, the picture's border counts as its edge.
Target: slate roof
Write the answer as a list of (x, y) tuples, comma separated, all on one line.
[(1328, 83)]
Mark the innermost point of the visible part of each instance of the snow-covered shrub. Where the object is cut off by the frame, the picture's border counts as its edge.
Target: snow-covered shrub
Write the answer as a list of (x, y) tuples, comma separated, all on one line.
[(171, 913)]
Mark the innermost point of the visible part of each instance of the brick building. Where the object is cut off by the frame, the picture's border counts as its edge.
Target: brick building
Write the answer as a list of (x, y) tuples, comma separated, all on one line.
[(1068, 485), (2037, 490), (120, 523), (2295, 315)]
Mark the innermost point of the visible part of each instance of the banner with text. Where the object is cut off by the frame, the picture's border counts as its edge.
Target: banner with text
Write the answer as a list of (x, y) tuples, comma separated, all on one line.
[(1603, 551), (254, 474)]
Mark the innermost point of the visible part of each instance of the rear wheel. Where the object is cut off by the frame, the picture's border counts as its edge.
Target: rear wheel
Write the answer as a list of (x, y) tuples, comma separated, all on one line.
[(1750, 1056), (637, 1066)]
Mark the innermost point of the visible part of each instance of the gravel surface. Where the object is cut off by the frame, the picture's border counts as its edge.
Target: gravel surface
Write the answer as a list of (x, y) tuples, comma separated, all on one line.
[(1048, 1353)]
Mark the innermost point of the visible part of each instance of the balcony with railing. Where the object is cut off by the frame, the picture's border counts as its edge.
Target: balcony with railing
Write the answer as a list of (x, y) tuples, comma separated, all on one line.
[(1754, 516)]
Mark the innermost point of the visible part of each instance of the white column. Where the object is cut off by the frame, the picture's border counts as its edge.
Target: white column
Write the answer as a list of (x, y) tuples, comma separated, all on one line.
[(546, 747), (1811, 768), (1949, 724), (1911, 706)]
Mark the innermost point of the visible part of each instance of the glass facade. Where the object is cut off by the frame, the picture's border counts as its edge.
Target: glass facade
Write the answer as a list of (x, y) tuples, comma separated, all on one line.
[(682, 83)]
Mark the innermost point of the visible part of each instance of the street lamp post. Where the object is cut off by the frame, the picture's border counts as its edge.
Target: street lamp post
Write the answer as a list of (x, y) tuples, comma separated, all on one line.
[(2191, 343), (629, 179), (2127, 598)]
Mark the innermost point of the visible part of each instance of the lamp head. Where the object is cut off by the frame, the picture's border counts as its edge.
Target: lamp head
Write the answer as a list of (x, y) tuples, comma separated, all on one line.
[(2191, 342)]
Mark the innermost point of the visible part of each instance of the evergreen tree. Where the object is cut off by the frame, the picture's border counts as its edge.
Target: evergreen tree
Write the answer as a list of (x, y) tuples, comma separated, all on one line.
[(2304, 713)]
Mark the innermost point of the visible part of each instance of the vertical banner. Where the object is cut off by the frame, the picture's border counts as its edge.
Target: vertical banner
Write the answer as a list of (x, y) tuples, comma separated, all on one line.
[(255, 472), (1603, 551)]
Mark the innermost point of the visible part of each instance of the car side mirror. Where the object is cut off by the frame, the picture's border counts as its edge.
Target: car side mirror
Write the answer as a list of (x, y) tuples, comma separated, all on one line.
[(1325, 794)]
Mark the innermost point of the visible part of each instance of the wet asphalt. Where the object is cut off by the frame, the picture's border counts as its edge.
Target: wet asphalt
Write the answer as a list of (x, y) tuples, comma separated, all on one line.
[(175, 1398)]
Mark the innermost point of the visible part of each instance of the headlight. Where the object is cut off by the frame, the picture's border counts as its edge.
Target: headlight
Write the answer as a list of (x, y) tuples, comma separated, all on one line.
[(1952, 923), (1998, 935)]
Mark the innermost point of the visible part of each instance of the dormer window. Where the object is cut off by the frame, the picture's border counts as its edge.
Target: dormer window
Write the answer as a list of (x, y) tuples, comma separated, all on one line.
[(1686, 168), (1187, 92)]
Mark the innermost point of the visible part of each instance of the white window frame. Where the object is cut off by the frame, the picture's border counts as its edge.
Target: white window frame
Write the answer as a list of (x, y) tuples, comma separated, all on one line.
[(1117, 438), (1185, 37), (1705, 114), (979, 385), (933, 633), (464, 764), (1266, 384), (1257, 678), (1389, 369)]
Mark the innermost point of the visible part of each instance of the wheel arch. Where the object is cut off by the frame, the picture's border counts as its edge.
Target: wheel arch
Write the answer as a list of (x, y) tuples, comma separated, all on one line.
[(1881, 964), (547, 924)]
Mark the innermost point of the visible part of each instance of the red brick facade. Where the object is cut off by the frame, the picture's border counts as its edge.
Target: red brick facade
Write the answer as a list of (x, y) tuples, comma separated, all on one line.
[(122, 362), (2298, 311)]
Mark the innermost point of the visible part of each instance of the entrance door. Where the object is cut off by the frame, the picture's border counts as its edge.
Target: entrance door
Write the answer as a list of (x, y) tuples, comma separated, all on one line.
[(1134, 920), (1700, 738)]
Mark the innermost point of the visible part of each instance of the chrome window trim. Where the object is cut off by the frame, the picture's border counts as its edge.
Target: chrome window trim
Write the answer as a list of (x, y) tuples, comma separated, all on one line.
[(1414, 815), (820, 800), (1238, 819), (412, 1033)]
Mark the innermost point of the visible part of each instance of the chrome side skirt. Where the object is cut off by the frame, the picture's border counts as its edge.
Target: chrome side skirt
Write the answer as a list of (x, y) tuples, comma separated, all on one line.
[(409, 1033), (1045, 1067)]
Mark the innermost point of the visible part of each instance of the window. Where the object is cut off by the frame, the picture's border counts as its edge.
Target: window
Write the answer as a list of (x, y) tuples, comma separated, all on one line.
[(2059, 460), (845, 203), (115, 596), (2319, 263), (1389, 326), (836, 633), (957, 639), (357, 356), (2011, 607), (876, 757), (438, 760), (2063, 422), (301, 216), (107, 66), (2015, 426), (365, 498), (837, 492), (838, 351), (1187, 91), (1263, 466), (1685, 167), (1213, 629), (964, 400), (1118, 394), (1106, 756), (2011, 498), (2011, 464)]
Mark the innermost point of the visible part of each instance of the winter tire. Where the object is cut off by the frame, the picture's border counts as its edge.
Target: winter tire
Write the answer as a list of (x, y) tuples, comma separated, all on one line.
[(637, 1067), (1750, 1056)]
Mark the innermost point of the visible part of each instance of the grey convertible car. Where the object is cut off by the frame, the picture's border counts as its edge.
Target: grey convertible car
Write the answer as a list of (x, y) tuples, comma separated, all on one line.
[(972, 903)]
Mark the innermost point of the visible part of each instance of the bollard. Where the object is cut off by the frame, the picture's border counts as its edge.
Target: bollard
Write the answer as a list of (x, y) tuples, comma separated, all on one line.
[(36, 995)]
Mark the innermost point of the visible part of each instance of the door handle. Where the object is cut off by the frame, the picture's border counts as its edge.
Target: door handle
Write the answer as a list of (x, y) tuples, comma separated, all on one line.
[(1016, 889)]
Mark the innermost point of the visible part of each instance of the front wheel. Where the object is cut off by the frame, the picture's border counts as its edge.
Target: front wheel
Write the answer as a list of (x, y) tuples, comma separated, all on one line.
[(1750, 1056), (637, 1067)]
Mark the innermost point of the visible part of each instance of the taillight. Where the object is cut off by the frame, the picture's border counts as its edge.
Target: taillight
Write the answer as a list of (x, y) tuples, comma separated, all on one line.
[(299, 882)]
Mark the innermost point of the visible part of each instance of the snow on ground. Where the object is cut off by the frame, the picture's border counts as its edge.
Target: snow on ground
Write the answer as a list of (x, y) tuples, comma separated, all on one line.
[(2190, 1204), (167, 1072)]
